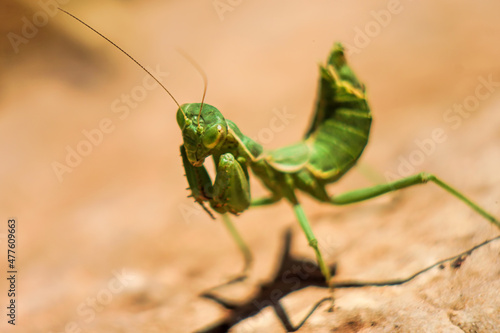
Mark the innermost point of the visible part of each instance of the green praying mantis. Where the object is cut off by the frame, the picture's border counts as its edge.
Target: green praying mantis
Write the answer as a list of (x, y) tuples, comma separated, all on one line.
[(332, 145)]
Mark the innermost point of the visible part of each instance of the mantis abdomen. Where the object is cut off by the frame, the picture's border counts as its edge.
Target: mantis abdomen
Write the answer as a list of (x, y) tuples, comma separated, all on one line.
[(336, 138)]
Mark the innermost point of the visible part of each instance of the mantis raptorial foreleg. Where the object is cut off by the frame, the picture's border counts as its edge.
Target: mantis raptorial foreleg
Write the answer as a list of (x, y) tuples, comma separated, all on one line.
[(199, 181), (421, 178), (232, 191), (231, 188), (229, 193), (224, 195)]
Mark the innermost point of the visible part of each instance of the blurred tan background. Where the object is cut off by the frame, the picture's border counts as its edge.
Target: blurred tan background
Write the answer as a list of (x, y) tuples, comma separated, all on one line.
[(122, 209)]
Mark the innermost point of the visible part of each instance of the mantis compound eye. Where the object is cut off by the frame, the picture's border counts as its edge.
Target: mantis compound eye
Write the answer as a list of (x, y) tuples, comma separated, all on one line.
[(214, 135)]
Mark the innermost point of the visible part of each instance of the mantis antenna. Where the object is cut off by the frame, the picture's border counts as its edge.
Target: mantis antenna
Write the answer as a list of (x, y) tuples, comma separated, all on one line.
[(128, 55), (203, 75)]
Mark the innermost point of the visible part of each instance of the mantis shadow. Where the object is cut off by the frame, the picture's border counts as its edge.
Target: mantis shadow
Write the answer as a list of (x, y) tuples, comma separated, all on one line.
[(293, 274)]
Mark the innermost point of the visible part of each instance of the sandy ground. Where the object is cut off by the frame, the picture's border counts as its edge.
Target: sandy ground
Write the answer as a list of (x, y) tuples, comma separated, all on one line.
[(107, 240)]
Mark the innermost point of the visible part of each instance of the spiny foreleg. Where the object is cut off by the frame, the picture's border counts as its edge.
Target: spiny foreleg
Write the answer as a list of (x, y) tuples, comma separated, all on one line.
[(230, 193), (199, 182)]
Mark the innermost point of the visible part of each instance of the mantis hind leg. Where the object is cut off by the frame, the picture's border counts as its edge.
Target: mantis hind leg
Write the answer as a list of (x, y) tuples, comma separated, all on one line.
[(421, 178)]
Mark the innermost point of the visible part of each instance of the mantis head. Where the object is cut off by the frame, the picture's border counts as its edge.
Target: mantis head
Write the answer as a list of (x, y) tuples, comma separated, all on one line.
[(204, 130), (203, 127)]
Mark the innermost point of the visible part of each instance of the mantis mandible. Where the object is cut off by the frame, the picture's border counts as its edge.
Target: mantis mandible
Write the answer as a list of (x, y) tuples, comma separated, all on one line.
[(332, 145)]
